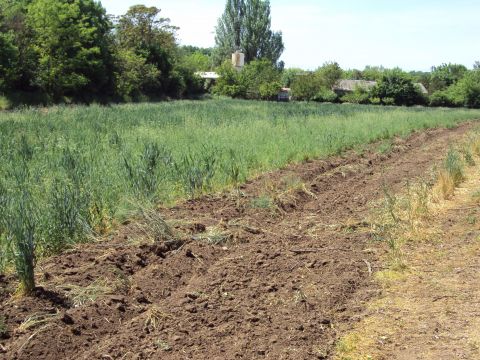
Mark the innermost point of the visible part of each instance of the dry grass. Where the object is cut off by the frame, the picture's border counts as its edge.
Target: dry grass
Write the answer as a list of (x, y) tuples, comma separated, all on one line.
[(411, 216), (35, 321), (445, 186), (81, 295), (215, 235), (154, 318)]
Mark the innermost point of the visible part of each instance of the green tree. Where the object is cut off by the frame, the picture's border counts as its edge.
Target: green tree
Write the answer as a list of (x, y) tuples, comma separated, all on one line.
[(445, 75), (470, 87), (8, 60), (133, 75), (12, 21), (306, 86), (261, 80), (246, 25), (352, 74), (143, 28), (329, 74), (196, 61), (397, 87), (150, 36), (289, 75), (228, 83), (70, 40), (373, 73)]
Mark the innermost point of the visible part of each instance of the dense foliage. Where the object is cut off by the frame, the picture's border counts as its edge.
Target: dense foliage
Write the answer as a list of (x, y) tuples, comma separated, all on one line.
[(259, 79), (70, 50)]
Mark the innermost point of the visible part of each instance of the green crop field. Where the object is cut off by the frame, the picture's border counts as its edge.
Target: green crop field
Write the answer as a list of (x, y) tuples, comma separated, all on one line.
[(69, 172)]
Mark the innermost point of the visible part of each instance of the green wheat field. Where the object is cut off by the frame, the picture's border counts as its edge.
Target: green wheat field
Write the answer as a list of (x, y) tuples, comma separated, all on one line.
[(70, 172)]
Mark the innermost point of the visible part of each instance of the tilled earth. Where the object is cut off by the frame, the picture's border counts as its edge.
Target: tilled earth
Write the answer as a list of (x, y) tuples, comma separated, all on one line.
[(278, 269)]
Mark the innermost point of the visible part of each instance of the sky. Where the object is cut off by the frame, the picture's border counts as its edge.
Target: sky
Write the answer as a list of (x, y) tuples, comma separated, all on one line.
[(411, 34)]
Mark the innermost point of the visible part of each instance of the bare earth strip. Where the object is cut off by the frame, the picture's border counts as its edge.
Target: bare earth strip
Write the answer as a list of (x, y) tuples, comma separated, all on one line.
[(278, 271)]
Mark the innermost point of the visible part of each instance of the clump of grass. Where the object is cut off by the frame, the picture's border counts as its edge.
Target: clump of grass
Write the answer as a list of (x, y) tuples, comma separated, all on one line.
[(154, 318), (3, 326), (398, 220), (450, 175), (476, 196), (262, 202), (214, 235), (385, 147), (4, 103), (81, 295), (35, 321), (153, 227), (163, 345), (453, 165), (197, 171), (123, 282), (22, 231)]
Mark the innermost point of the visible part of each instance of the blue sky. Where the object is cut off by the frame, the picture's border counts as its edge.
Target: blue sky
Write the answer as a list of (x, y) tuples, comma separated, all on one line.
[(411, 34)]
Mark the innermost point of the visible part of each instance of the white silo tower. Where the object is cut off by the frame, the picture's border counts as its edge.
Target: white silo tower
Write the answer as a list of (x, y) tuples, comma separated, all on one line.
[(238, 60)]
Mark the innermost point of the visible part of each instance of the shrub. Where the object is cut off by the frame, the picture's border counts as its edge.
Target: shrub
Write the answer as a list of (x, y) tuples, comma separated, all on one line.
[(358, 96), (466, 92), (260, 79), (4, 103), (133, 74), (326, 95), (397, 85), (447, 97), (305, 87), (229, 82)]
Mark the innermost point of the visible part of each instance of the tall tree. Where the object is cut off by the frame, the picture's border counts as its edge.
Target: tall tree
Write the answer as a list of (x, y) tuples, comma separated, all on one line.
[(246, 25), (143, 33), (70, 40), (17, 33), (142, 27)]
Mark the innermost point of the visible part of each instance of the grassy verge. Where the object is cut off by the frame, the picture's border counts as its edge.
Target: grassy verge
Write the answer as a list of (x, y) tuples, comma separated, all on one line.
[(404, 221)]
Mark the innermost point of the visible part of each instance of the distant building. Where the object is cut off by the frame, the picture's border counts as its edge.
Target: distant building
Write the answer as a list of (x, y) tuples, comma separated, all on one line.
[(284, 95), (208, 75), (422, 88), (238, 60), (343, 87)]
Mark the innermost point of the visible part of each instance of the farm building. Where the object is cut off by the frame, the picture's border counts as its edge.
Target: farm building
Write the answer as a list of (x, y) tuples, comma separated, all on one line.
[(343, 87), (284, 95)]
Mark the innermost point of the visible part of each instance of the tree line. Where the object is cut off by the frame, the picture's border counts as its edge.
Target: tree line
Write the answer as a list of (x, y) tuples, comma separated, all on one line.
[(72, 51), (449, 85)]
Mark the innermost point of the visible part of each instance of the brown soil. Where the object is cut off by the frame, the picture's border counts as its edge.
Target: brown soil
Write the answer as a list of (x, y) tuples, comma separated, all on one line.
[(290, 277)]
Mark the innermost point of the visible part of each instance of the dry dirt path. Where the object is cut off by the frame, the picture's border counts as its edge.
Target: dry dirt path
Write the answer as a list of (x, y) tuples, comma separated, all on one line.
[(432, 311), (290, 278)]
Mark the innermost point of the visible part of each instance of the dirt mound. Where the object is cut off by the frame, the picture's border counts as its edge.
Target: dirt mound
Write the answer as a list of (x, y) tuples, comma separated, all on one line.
[(273, 270)]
